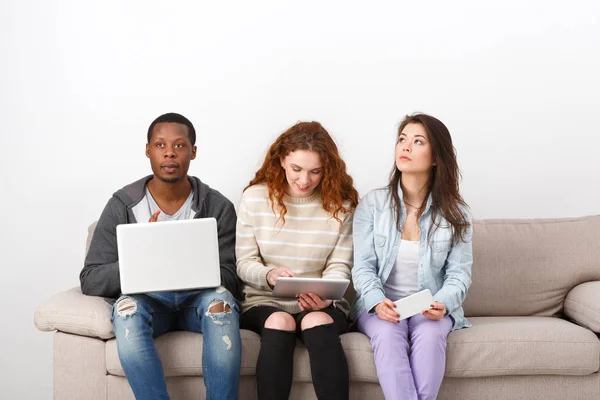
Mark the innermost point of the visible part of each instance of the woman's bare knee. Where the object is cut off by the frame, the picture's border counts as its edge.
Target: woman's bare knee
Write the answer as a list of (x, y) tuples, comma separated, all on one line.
[(281, 321), (315, 318)]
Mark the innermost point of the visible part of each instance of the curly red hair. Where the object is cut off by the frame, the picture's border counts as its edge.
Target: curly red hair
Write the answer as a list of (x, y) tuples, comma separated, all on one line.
[(336, 186)]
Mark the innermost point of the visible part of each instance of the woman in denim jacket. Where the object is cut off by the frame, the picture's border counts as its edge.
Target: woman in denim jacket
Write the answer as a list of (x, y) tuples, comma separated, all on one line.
[(412, 235)]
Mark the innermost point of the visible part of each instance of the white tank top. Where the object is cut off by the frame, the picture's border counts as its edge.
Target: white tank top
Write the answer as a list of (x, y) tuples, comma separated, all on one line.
[(402, 281)]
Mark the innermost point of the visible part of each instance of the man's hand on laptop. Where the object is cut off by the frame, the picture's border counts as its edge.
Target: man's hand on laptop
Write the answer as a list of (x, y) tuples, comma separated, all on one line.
[(154, 216), (275, 273), (311, 301)]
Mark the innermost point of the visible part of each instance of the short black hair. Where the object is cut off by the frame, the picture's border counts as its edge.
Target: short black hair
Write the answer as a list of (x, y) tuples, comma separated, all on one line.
[(178, 119)]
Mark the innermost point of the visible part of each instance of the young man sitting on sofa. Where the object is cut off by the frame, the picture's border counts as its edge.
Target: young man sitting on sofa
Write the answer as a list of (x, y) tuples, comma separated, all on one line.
[(169, 194)]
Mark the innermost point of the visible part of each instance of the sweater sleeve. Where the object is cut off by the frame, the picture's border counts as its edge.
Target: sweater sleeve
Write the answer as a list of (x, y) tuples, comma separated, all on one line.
[(250, 268), (339, 262)]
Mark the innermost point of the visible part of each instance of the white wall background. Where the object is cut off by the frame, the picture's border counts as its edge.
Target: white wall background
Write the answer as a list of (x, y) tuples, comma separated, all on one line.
[(516, 82)]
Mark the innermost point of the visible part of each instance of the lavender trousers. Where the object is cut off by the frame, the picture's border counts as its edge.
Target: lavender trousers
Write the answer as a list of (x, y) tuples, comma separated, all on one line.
[(410, 356)]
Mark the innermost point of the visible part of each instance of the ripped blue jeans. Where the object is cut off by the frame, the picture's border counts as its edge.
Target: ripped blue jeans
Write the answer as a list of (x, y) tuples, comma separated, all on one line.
[(140, 318)]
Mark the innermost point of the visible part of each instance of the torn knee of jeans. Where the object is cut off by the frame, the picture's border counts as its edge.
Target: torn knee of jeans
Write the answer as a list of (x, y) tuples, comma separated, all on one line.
[(219, 307), (217, 310), (126, 306)]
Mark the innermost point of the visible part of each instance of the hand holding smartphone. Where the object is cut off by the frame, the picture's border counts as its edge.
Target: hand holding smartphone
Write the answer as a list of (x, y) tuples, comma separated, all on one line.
[(414, 304)]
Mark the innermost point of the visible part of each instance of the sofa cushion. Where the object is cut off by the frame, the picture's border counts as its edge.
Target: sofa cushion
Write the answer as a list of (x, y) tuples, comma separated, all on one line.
[(494, 346), (521, 346), (181, 355), (527, 267)]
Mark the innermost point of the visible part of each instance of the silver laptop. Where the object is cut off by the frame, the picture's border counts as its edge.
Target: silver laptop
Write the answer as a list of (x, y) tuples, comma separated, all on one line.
[(168, 255)]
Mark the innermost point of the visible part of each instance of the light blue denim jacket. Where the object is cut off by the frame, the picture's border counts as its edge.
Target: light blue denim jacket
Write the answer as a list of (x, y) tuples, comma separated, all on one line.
[(443, 269)]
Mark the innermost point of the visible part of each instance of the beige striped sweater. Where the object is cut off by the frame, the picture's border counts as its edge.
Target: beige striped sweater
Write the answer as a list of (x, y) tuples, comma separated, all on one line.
[(310, 243)]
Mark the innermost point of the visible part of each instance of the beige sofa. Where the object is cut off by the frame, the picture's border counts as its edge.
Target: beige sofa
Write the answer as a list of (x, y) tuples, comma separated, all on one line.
[(530, 279)]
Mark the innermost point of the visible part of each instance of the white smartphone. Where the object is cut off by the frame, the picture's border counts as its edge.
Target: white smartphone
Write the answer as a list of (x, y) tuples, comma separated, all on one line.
[(414, 304)]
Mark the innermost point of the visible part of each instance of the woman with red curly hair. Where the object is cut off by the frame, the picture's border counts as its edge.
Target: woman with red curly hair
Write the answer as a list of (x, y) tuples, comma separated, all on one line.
[(295, 220)]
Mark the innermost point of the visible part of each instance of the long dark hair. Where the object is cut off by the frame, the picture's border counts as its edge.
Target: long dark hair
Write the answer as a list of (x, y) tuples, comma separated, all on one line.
[(336, 185), (443, 178)]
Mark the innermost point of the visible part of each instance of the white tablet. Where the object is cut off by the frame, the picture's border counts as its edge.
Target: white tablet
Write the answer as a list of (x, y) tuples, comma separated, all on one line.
[(327, 289), (414, 304)]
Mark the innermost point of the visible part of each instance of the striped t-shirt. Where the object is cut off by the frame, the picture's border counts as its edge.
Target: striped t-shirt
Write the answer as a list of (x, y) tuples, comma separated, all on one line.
[(310, 243)]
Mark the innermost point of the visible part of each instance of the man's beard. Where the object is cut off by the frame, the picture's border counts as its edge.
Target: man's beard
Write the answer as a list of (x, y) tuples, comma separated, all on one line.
[(171, 180)]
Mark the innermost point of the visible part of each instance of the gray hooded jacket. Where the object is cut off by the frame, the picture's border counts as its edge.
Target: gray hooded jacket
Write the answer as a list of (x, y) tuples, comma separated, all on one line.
[(100, 274)]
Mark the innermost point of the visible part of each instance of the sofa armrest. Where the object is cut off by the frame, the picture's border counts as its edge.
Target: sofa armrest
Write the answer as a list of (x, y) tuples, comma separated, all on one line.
[(73, 312), (582, 305)]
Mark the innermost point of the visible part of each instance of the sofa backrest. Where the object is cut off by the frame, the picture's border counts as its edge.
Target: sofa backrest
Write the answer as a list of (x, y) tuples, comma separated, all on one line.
[(527, 267), (524, 267), (91, 229)]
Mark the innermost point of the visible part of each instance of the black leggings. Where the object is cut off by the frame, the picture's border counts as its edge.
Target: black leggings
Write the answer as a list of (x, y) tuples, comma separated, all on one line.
[(274, 368)]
